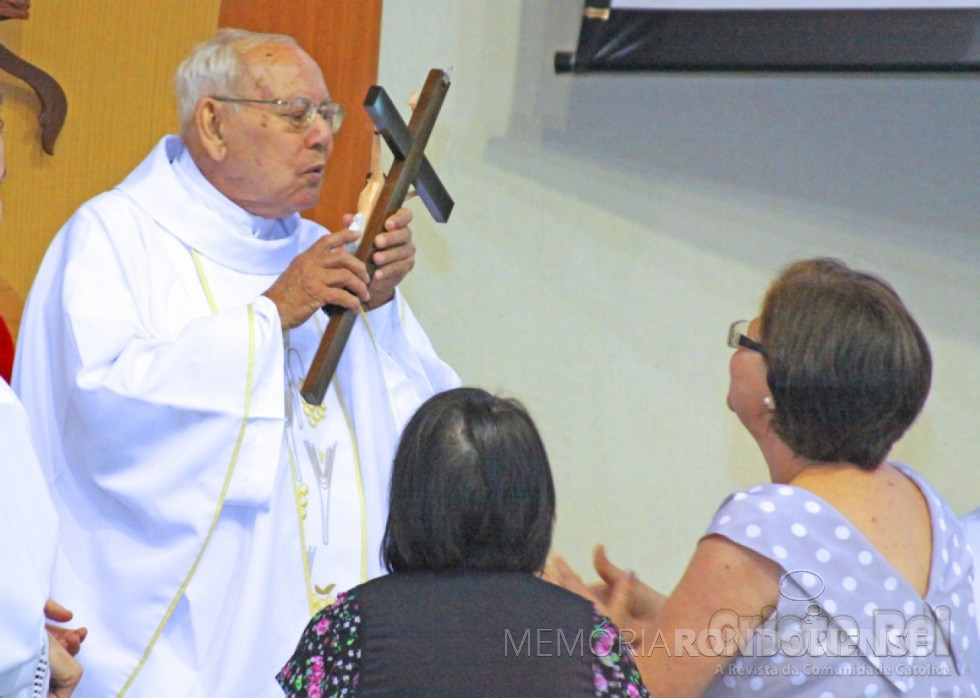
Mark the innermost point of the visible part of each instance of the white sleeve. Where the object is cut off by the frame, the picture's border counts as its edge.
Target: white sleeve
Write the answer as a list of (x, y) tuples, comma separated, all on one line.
[(27, 550), (401, 338), (133, 380)]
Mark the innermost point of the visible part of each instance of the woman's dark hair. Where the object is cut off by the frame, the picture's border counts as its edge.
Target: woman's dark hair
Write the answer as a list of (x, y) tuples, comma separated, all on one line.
[(848, 367), (471, 488)]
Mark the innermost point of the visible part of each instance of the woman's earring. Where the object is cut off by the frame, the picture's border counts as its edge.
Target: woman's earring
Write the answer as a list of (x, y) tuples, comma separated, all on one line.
[(767, 401)]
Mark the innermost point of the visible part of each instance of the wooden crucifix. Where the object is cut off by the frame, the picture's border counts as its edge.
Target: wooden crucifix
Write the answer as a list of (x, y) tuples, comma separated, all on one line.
[(407, 144)]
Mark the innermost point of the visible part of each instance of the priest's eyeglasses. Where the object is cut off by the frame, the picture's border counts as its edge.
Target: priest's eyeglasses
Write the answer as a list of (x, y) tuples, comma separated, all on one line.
[(300, 112), (737, 337)]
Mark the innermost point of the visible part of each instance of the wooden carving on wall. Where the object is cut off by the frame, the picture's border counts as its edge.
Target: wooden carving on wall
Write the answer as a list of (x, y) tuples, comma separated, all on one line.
[(54, 104)]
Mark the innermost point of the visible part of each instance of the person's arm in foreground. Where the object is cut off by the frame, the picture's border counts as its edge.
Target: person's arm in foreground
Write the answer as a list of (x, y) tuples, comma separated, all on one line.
[(681, 642)]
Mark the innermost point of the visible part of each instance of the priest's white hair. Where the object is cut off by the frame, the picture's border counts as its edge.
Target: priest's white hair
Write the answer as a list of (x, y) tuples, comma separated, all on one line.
[(216, 68)]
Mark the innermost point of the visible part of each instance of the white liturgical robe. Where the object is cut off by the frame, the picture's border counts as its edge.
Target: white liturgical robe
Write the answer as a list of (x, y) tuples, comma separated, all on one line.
[(28, 530), (206, 510)]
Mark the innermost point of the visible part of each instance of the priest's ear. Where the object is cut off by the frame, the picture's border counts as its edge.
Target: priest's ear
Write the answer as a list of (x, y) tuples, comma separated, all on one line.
[(210, 128)]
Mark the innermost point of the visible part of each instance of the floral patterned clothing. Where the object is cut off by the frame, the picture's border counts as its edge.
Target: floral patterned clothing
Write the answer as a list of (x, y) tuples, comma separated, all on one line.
[(328, 660)]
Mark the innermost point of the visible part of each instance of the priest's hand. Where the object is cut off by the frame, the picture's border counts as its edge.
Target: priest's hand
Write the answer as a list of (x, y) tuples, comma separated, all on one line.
[(394, 257), (324, 274)]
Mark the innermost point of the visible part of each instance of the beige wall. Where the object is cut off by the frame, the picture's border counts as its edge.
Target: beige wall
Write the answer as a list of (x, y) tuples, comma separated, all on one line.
[(115, 61)]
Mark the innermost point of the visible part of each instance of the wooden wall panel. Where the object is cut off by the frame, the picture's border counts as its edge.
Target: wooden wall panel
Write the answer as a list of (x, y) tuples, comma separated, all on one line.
[(344, 37), (118, 77)]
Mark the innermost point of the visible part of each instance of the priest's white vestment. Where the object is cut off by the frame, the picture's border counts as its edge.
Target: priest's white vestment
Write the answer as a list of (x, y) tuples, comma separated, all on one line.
[(28, 531), (206, 510)]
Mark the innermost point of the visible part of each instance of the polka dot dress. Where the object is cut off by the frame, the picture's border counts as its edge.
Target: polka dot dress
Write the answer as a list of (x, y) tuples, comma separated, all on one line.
[(847, 624)]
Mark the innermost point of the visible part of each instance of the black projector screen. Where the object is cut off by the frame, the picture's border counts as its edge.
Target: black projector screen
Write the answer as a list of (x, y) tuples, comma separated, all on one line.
[(762, 35)]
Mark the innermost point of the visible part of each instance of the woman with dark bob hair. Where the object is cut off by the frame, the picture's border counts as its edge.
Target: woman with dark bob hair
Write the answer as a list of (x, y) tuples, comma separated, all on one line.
[(848, 575), (464, 613)]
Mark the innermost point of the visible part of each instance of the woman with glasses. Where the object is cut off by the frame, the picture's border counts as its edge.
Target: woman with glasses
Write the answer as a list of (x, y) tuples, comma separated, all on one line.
[(847, 574)]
